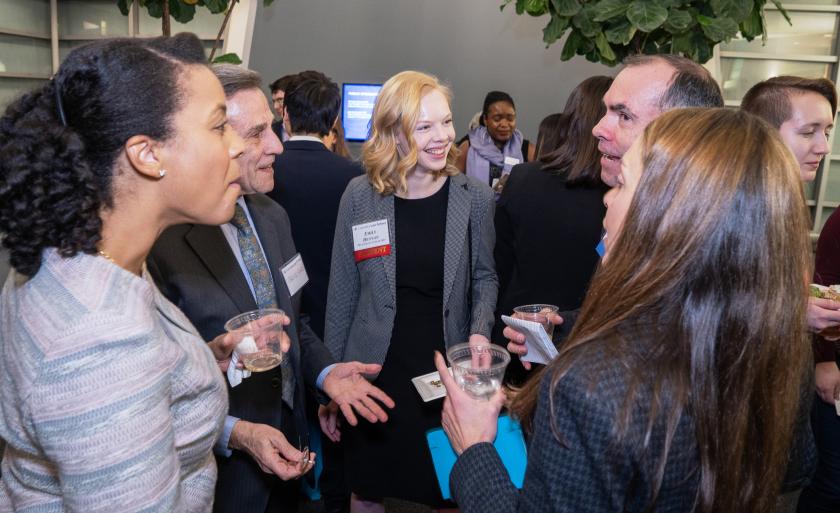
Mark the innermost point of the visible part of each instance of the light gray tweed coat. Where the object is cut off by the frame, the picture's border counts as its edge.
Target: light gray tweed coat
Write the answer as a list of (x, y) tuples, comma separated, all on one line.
[(361, 302)]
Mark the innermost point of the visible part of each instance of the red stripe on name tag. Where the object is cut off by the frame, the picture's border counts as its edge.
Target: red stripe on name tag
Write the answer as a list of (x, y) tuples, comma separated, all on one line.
[(378, 251)]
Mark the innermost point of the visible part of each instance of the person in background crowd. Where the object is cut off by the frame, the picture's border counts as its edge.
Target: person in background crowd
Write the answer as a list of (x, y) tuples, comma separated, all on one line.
[(496, 145), (652, 403), (111, 401), (278, 94), (646, 87), (421, 278), (803, 110), (335, 141), (215, 273), (548, 219), (552, 133)]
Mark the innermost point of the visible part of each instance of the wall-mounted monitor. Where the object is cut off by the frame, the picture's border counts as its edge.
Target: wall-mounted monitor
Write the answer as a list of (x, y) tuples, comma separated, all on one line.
[(357, 102)]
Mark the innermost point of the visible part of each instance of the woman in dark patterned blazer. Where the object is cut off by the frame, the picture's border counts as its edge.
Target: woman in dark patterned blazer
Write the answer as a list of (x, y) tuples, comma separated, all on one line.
[(684, 381), (412, 272)]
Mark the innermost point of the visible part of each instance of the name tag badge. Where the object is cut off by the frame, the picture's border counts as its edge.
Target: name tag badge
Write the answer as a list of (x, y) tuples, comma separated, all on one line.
[(295, 274), (371, 240), (511, 161)]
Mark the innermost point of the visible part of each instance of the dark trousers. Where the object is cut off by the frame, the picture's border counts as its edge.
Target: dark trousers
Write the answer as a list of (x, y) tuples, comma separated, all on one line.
[(823, 494)]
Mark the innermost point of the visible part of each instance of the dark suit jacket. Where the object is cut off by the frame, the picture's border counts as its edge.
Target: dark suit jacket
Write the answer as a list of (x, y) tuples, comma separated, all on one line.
[(195, 268), (309, 180)]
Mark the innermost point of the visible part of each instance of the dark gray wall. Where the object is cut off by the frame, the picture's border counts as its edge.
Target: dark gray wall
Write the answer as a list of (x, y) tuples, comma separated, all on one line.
[(467, 43)]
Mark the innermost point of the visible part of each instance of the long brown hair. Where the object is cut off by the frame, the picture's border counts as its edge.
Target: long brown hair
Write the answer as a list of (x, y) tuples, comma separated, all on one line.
[(713, 254), (578, 156)]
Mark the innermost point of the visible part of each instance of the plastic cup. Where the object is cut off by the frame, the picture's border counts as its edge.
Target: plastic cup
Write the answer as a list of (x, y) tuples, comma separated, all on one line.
[(259, 334), (537, 313), (478, 369)]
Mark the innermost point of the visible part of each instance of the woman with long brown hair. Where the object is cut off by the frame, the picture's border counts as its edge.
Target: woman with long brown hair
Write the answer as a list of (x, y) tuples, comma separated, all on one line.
[(680, 387)]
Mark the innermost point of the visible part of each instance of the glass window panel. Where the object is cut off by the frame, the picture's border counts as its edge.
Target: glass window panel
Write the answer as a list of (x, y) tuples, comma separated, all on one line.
[(30, 16), (738, 75), (12, 88), (810, 190), (205, 24), (25, 55), (64, 48), (811, 34), (832, 187), (91, 18)]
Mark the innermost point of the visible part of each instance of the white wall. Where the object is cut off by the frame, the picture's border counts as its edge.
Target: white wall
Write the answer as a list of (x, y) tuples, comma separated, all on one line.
[(469, 44)]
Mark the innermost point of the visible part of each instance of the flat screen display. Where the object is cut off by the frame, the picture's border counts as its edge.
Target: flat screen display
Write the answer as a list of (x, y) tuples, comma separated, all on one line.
[(357, 102)]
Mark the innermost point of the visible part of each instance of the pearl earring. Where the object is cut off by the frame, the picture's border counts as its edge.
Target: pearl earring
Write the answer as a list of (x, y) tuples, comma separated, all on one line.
[(162, 173)]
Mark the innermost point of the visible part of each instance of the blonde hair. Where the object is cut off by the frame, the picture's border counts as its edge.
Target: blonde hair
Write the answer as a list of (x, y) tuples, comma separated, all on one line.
[(396, 111)]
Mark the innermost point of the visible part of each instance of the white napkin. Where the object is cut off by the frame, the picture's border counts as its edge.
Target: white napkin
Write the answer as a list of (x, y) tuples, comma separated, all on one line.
[(235, 376), (540, 348)]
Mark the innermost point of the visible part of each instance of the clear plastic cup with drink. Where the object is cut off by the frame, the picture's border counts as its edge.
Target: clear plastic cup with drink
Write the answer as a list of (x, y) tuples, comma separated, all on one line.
[(478, 368), (259, 338), (538, 313)]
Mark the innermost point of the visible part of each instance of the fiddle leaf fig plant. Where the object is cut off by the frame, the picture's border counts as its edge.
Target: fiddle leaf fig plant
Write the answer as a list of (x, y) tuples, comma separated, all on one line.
[(184, 11), (607, 31)]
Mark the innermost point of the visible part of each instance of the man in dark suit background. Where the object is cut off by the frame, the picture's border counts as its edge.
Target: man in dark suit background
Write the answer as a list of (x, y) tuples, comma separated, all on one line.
[(309, 180), (278, 93), (214, 273)]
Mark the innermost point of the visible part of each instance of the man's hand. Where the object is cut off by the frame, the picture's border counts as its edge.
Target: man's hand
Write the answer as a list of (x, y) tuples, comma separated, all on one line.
[(827, 377), (328, 418), (516, 339), (348, 388), (223, 345), (270, 449), (822, 313)]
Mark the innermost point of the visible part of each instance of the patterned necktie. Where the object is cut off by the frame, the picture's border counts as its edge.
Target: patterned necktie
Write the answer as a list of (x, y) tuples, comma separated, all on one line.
[(263, 285)]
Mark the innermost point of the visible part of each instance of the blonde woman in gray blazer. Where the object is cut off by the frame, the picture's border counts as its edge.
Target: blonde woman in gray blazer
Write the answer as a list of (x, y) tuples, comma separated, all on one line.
[(412, 271)]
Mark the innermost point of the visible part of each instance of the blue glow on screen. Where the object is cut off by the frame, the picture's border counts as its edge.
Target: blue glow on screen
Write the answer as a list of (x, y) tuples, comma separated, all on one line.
[(357, 101)]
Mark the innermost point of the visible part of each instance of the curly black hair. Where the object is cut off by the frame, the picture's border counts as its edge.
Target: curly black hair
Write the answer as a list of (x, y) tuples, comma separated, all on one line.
[(56, 178)]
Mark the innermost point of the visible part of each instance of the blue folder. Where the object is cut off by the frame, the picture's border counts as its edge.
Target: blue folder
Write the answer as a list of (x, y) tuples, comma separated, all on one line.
[(510, 444)]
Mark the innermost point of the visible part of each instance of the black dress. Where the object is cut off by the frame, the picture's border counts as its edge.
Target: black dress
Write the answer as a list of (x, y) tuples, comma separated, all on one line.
[(392, 459)]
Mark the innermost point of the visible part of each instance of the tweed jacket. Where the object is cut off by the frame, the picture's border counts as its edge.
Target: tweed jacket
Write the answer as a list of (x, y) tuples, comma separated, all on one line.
[(361, 302), (590, 471)]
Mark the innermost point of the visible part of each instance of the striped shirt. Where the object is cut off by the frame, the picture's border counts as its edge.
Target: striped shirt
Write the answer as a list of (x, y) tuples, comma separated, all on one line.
[(109, 399)]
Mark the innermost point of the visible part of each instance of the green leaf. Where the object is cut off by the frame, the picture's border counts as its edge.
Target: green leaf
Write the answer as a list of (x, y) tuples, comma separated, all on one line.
[(702, 49), (620, 34), (608, 9), (678, 21), (566, 8), (604, 47), (123, 6), (229, 58), (585, 23), (735, 9), (555, 29), (216, 6), (505, 4), (646, 15), (571, 46), (752, 26), (267, 3), (155, 8), (717, 29), (520, 7), (681, 44), (181, 12), (536, 7)]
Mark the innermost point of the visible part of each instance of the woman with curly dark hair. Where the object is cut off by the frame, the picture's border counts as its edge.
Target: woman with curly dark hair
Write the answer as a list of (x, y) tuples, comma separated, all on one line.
[(110, 401)]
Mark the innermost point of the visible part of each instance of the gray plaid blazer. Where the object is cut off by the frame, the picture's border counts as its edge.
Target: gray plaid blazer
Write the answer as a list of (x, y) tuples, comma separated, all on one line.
[(361, 302)]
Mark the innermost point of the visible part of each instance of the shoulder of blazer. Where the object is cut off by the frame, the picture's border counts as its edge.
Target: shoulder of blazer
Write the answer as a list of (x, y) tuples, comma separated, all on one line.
[(478, 189), (262, 205)]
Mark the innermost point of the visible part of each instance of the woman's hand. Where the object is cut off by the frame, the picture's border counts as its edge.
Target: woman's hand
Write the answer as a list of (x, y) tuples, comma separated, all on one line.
[(516, 339), (467, 421)]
